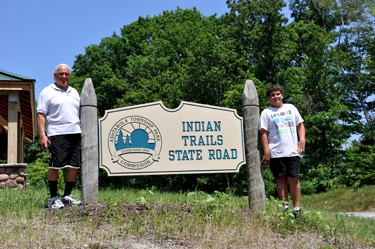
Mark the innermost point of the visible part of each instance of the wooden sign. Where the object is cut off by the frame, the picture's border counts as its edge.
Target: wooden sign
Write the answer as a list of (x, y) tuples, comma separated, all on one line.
[(151, 139)]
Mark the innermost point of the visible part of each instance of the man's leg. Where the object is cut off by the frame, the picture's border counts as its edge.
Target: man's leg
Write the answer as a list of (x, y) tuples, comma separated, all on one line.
[(70, 181), (294, 186), (53, 175), (282, 189), (69, 184)]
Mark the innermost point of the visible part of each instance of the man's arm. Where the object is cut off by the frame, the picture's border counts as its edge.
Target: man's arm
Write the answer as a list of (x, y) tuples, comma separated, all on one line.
[(43, 140), (301, 134), (266, 148)]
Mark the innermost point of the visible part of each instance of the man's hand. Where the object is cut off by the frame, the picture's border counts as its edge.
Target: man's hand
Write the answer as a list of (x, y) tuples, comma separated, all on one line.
[(43, 139), (44, 142)]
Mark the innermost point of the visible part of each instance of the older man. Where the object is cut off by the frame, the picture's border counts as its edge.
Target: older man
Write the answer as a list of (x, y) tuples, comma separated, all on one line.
[(60, 132)]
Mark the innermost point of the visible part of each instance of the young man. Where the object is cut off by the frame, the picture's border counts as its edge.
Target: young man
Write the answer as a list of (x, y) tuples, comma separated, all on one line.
[(278, 129), (60, 132)]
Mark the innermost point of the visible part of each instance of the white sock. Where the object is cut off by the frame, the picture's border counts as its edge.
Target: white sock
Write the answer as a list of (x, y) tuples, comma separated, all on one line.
[(295, 208), (286, 207)]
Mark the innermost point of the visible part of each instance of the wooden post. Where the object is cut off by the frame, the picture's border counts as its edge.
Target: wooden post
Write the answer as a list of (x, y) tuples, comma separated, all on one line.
[(90, 145), (12, 127), (250, 112)]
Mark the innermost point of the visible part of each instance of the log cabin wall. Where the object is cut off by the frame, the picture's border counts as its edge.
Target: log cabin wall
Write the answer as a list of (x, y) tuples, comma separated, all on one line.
[(17, 115)]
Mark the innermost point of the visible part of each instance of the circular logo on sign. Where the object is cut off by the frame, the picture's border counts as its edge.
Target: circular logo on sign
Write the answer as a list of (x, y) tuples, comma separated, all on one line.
[(134, 142)]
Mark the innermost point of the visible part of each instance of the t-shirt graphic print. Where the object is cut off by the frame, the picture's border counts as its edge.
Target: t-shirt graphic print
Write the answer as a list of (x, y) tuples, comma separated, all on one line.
[(284, 122)]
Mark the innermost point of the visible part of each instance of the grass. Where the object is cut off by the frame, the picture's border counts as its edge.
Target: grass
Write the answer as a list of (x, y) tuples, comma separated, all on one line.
[(188, 220), (344, 200)]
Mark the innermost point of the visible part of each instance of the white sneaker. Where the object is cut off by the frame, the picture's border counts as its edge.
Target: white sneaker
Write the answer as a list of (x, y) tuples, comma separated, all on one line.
[(55, 203), (68, 200)]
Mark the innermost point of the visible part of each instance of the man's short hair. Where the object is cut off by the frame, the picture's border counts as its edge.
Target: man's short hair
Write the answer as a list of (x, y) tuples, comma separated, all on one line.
[(55, 71), (274, 87)]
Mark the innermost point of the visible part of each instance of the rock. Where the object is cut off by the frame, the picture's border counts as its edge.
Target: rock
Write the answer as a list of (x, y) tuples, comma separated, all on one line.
[(20, 186), (21, 171), (20, 180), (27, 184), (13, 175), (11, 183), (2, 185), (4, 177), (2, 170), (8, 170)]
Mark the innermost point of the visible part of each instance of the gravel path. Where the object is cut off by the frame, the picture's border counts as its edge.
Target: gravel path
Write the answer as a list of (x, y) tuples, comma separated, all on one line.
[(361, 214)]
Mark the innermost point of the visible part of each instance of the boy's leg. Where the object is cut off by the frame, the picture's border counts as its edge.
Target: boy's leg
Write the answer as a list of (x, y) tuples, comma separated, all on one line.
[(294, 187), (293, 173), (278, 169), (282, 189)]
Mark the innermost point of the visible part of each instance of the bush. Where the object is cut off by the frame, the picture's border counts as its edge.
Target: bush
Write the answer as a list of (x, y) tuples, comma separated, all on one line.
[(38, 172)]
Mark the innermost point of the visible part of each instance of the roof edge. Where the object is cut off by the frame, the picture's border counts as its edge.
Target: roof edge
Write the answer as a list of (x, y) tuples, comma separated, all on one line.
[(17, 77)]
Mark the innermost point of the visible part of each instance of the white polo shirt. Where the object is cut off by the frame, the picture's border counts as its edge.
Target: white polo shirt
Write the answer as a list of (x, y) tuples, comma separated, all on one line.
[(61, 109)]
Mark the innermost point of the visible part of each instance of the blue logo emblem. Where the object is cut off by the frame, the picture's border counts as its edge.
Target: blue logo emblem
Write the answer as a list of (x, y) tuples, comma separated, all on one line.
[(134, 142)]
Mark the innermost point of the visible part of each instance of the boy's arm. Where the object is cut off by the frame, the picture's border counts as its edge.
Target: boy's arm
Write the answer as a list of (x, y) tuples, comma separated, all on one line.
[(266, 148), (301, 134)]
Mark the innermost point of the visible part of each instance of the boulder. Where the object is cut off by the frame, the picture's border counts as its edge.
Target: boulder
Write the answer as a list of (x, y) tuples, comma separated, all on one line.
[(20, 186), (11, 183), (13, 175), (2, 185), (20, 180), (4, 177)]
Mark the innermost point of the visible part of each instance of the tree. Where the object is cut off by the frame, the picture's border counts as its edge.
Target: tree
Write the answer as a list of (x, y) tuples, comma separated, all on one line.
[(351, 22), (170, 57), (179, 55), (341, 82), (256, 29)]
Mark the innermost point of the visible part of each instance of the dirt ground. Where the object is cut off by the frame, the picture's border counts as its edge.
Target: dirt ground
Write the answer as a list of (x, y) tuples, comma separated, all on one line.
[(100, 212)]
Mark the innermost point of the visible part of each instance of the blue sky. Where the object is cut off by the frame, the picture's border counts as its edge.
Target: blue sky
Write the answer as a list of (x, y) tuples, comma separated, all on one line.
[(36, 36)]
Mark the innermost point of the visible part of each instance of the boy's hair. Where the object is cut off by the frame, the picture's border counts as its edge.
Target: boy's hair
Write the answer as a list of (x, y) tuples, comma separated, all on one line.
[(274, 87)]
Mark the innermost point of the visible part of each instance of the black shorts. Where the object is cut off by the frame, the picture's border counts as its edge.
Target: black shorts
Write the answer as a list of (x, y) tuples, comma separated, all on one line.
[(285, 167), (65, 151)]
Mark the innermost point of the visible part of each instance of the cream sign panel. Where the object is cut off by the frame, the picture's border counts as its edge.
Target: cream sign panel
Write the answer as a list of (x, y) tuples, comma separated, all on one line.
[(152, 139)]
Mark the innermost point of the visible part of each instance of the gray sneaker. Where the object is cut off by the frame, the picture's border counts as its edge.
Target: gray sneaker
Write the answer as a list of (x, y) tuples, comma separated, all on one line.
[(55, 203), (68, 200)]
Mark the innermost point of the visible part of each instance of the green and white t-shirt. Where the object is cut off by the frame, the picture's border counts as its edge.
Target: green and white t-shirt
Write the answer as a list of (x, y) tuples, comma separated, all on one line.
[(282, 132)]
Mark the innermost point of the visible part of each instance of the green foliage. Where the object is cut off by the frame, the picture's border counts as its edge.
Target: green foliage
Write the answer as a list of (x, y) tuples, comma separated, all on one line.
[(309, 187), (269, 182), (179, 55), (324, 59), (38, 172), (358, 168), (143, 194), (211, 204)]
